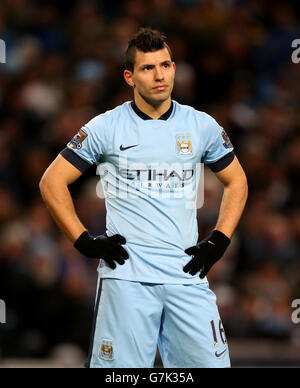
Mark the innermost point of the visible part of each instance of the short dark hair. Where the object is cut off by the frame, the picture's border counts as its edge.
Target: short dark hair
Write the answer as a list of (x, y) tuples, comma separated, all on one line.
[(146, 40)]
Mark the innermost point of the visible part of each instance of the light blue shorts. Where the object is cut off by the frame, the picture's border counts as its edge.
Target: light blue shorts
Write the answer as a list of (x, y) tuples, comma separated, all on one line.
[(131, 318)]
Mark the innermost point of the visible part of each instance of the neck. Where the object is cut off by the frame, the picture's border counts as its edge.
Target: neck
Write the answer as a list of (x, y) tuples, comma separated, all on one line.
[(154, 111)]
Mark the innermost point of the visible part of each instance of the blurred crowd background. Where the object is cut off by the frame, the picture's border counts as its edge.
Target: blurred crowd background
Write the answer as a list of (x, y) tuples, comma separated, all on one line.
[(64, 66)]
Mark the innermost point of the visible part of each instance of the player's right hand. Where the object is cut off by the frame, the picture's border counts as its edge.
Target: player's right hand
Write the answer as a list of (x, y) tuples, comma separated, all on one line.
[(103, 247)]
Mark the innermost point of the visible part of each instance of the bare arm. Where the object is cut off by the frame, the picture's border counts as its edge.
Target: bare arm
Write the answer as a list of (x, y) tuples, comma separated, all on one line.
[(55, 192), (211, 249), (234, 197)]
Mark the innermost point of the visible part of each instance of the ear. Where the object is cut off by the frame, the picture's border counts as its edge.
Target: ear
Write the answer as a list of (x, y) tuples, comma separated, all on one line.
[(128, 77), (174, 66)]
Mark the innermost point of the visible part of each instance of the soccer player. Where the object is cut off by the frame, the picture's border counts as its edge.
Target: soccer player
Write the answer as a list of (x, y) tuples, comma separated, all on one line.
[(152, 286)]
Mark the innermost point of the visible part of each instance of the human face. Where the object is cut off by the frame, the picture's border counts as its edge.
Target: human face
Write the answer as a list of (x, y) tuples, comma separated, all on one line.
[(152, 77)]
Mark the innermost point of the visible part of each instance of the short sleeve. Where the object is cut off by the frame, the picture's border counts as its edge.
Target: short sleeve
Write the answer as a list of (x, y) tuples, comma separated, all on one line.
[(89, 142), (216, 142)]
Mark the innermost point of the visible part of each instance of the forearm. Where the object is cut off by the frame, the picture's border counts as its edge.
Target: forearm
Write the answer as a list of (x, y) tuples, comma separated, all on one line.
[(232, 206), (60, 205)]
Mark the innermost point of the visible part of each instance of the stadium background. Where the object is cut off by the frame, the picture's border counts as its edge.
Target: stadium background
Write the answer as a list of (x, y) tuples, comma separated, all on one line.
[(64, 66)]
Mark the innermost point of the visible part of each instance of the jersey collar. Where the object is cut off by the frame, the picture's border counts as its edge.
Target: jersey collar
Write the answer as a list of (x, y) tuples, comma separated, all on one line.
[(144, 116)]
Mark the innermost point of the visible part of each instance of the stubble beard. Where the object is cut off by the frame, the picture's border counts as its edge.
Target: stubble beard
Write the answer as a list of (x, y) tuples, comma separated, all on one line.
[(154, 102)]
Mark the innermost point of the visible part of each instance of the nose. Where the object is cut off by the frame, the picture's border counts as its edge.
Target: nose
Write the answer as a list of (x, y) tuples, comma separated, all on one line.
[(159, 74)]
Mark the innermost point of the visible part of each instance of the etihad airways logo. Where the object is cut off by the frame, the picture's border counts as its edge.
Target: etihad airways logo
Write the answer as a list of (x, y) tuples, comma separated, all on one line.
[(152, 180), (158, 175)]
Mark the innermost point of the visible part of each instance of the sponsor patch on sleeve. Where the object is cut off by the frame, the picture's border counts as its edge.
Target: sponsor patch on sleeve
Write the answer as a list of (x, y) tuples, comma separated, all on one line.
[(227, 143), (78, 139)]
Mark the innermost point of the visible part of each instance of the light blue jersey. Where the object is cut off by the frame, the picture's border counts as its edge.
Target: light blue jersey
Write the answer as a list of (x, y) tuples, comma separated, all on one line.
[(150, 171)]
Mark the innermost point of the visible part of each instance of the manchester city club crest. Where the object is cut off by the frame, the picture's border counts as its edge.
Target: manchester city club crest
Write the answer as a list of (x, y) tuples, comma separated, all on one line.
[(184, 145), (106, 350)]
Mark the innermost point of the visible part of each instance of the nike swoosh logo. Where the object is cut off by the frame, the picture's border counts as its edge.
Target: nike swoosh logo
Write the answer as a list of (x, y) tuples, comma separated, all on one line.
[(211, 243), (220, 354), (127, 148)]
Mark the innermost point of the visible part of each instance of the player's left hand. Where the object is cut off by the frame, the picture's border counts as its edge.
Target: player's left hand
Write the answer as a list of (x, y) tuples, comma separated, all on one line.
[(206, 253)]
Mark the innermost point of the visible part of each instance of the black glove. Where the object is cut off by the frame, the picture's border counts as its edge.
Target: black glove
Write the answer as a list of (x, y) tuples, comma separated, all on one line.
[(103, 247), (206, 253)]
